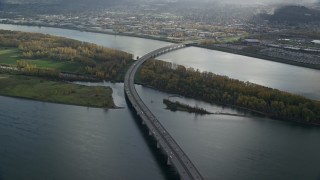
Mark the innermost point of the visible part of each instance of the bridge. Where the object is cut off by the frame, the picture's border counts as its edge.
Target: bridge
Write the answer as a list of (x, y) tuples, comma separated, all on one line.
[(175, 155)]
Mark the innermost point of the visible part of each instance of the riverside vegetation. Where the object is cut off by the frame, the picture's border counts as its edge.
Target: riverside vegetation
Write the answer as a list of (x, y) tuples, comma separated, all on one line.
[(177, 106), (54, 54), (54, 91), (218, 89), (46, 56)]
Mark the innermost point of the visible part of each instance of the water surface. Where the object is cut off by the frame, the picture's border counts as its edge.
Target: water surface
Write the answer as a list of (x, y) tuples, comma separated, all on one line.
[(295, 79), (53, 141)]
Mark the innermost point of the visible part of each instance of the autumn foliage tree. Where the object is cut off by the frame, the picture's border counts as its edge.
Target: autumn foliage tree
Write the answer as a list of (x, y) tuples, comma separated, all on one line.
[(213, 88), (103, 62)]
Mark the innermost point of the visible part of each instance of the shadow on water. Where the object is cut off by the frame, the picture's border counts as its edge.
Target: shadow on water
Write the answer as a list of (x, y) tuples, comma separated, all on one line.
[(161, 158), (1, 176)]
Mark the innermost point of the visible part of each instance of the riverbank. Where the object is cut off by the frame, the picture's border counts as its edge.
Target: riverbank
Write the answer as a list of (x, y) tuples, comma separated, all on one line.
[(228, 95), (259, 56), (222, 49), (100, 32), (41, 89), (35, 51), (222, 90), (247, 111)]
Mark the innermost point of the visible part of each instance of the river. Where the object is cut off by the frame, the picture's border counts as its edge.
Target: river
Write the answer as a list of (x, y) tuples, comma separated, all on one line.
[(53, 141), (285, 77)]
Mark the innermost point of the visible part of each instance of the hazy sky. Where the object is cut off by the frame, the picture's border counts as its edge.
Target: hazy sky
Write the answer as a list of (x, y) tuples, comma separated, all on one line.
[(221, 1), (262, 1)]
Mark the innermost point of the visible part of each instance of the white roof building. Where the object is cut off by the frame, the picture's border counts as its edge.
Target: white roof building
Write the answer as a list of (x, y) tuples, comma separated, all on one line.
[(251, 41), (316, 41)]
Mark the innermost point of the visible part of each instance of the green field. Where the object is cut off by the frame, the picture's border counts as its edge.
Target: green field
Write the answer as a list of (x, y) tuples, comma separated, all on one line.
[(229, 39), (9, 56), (52, 91)]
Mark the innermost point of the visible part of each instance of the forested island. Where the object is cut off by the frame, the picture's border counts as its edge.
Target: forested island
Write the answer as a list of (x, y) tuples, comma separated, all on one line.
[(177, 106), (223, 90), (34, 66), (34, 51)]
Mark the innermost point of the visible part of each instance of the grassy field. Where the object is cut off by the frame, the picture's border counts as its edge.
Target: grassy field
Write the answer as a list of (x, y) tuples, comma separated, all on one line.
[(229, 40), (9, 56), (57, 92)]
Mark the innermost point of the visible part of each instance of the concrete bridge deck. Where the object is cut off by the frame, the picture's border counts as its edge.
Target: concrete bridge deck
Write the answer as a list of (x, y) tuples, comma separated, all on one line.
[(175, 154)]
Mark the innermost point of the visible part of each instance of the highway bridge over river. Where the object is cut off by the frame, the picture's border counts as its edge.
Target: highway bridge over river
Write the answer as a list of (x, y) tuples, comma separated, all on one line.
[(176, 157)]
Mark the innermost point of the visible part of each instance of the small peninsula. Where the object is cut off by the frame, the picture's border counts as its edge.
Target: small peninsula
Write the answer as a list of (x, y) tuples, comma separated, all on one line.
[(55, 91), (35, 66)]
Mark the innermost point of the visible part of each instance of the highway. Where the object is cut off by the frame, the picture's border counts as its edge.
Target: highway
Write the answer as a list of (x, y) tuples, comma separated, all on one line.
[(176, 157)]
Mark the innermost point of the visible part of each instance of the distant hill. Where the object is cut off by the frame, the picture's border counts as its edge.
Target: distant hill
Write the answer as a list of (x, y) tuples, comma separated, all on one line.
[(54, 6), (75, 2), (294, 15)]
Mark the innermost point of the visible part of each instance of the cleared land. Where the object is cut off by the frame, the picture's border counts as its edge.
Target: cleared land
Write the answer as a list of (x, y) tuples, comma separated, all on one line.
[(52, 91), (10, 56), (58, 54)]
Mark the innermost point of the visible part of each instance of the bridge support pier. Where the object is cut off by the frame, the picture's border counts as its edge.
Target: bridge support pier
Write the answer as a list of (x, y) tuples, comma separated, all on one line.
[(169, 148), (168, 161)]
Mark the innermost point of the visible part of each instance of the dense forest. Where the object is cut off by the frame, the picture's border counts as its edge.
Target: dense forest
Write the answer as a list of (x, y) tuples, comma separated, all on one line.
[(214, 88), (96, 60)]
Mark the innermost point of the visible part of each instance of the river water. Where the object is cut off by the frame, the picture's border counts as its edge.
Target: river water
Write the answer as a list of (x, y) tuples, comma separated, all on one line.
[(52, 141)]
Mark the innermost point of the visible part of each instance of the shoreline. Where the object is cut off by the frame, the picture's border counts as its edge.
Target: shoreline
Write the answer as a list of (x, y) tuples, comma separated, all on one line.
[(221, 49), (79, 95), (255, 112), (95, 31), (54, 102), (259, 56), (238, 107)]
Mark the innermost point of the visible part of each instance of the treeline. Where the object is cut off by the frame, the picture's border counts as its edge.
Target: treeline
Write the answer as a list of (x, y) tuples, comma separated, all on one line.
[(30, 69), (24, 68), (102, 62), (214, 88)]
